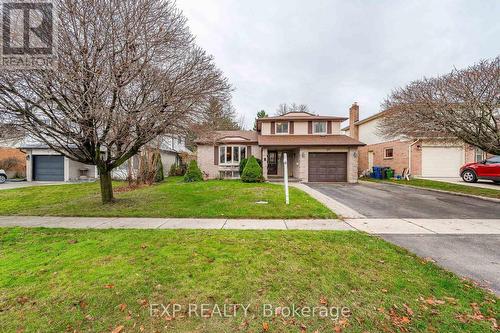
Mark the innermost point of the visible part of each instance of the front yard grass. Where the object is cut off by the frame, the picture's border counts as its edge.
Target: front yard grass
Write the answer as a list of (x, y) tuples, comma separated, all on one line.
[(56, 280), (172, 198), (437, 185)]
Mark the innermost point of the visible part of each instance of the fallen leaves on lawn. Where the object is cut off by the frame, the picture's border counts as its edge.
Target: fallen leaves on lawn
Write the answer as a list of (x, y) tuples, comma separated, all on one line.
[(409, 311), (432, 301), (323, 300), (265, 326), (122, 307), (72, 241), (143, 302), (109, 286), (398, 320), (476, 316), (118, 329), (340, 325), (22, 299), (83, 305)]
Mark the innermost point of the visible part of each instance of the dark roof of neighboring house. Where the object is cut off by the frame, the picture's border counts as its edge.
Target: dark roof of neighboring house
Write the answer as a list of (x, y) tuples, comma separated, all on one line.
[(308, 140), (228, 137)]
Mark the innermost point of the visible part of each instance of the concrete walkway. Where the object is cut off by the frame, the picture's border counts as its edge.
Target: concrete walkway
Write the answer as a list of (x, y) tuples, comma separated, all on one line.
[(372, 226)]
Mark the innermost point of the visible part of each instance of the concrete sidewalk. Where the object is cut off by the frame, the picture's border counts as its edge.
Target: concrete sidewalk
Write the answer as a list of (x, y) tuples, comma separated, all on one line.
[(372, 226), (169, 223)]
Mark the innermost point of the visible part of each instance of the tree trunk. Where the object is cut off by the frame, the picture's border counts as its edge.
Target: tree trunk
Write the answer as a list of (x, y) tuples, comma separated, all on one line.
[(106, 186)]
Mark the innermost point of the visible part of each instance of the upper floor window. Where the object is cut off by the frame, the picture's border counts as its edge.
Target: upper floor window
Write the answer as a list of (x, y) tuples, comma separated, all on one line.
[(282, 128), (232, 155), (388, 153), (320, 127)]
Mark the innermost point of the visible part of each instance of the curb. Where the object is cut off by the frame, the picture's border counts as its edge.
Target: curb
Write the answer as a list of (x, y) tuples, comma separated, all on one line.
[(433, 190)]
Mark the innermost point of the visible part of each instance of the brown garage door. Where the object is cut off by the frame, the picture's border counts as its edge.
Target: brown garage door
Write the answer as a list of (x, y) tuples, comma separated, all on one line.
[(327, 167)]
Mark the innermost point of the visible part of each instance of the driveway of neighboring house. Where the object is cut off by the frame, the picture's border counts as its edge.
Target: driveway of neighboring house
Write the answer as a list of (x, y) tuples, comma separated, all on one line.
[(472, 256), (389, 201), (460, 181), (13, 185)]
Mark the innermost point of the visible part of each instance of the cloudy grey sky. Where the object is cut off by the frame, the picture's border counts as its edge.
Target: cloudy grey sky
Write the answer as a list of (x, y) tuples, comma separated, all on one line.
[(328, 54)]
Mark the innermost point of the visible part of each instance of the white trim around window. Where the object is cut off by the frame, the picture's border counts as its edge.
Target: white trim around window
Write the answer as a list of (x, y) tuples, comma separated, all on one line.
[(231, 155), (388, 153), (282, 128), (320, 127)]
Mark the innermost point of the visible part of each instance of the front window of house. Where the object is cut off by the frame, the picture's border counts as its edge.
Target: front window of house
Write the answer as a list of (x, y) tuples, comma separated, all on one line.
[(232, 155), (388, 153), (282, 128), (320, 127)]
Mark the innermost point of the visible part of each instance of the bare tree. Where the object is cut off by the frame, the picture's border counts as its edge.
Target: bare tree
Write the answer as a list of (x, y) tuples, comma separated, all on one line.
[(293, 107), (128, 72), (463, 104)]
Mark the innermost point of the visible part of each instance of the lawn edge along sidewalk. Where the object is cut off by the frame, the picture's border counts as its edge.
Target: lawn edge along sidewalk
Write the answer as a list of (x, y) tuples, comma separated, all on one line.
[(373, 183)]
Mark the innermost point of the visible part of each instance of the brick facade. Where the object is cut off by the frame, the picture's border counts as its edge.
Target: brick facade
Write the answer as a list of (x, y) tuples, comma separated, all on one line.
[(20, 169)]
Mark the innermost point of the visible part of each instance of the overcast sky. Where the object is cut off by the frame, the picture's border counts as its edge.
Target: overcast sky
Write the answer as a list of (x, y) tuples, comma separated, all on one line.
[(328, 54)]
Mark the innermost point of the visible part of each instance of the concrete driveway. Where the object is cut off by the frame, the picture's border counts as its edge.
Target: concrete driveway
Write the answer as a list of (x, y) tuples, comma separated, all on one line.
[(13, 185), (390, 201), (471, 256), (480, 183)]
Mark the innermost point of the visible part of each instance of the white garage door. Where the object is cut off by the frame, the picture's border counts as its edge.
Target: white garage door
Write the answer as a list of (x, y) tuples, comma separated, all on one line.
[(442, 161)]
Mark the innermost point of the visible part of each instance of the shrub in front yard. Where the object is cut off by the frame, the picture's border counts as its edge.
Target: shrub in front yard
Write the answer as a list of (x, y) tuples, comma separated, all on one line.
[(159, 175), (177, 170), (252, 173), (193, 173), (243, 163)]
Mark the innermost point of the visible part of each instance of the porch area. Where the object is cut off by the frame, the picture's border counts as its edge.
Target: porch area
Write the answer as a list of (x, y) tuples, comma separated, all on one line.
[(273, 163)]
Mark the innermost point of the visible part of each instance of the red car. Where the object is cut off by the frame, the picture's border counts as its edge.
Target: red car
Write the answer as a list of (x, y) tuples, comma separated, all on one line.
[(488, 169)]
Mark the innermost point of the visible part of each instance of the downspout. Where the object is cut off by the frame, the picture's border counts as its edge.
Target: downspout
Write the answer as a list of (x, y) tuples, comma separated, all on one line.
[(409, 155)]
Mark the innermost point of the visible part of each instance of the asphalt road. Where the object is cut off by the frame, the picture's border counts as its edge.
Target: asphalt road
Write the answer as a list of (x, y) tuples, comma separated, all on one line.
[(473, 256), (391, 201)]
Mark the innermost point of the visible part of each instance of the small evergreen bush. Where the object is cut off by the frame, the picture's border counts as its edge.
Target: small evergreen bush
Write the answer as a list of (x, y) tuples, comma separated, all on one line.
[(159, 176), (252, 173), (193, 173)]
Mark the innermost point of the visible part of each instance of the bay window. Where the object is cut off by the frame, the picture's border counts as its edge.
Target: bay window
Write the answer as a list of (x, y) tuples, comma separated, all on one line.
[(232, 155)]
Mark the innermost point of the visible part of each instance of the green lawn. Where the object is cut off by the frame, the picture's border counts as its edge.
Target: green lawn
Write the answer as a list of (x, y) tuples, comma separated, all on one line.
[(172, 198), (56, 280), (432, 184)]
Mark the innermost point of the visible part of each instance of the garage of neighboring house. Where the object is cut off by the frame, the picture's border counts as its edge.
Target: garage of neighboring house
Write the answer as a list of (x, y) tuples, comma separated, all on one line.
[(48, 167), (442, 161), (327, 167)]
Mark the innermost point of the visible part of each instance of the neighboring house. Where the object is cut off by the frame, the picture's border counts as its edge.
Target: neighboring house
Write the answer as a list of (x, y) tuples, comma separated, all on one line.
[(45, 164), (424, 157), (12, 160), (316, 149), (169, 147)]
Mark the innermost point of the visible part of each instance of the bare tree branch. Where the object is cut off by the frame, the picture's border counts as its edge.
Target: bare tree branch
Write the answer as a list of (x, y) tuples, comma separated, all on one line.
[(128, 72), (463, 104)]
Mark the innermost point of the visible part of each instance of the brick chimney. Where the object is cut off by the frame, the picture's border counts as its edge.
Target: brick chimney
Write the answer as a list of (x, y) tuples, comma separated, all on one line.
[(354, 117)]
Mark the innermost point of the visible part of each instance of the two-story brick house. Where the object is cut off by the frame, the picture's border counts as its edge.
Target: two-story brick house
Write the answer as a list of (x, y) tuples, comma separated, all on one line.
[(316, 149)]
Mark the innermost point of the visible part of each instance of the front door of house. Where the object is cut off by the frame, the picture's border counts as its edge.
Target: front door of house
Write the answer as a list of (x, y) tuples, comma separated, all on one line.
[(272, 163)]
